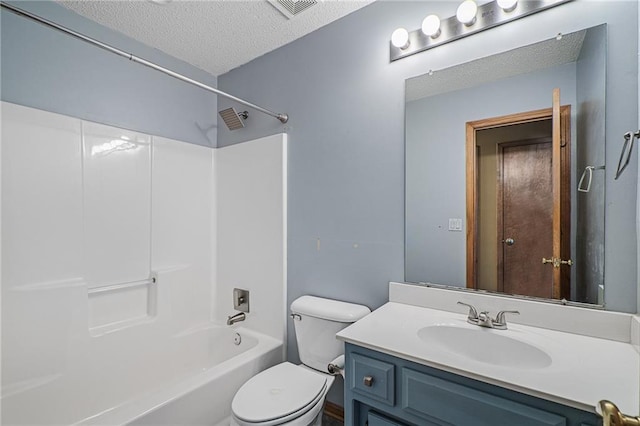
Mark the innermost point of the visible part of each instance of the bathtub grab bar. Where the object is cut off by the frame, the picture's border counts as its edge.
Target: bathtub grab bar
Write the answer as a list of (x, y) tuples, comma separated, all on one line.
[(122, 286)]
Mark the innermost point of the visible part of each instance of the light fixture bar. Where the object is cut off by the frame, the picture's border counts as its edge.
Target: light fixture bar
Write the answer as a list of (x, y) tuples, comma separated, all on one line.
[(489, 15)]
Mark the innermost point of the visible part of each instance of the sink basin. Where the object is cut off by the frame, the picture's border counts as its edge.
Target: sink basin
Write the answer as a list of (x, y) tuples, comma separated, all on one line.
[(485, 345)]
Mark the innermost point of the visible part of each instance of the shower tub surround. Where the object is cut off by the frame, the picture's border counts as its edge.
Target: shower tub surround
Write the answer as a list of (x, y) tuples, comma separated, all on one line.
[(113, 297)]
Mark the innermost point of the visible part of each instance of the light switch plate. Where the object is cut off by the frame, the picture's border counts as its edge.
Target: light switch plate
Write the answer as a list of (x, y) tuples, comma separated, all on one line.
[(455, 224)]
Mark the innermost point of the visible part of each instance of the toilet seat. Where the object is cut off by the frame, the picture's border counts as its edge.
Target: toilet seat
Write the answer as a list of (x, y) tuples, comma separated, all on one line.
[(279, 394)]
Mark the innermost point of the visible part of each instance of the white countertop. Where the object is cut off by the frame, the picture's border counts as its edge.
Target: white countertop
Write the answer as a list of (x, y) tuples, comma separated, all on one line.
[(583, 371)]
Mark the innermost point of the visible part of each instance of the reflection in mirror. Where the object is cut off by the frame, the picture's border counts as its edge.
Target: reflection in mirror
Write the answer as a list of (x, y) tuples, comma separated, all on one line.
[(492, 189)]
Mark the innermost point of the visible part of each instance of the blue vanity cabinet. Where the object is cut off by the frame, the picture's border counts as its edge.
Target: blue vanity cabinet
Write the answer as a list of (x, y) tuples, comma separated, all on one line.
[(383, 390)]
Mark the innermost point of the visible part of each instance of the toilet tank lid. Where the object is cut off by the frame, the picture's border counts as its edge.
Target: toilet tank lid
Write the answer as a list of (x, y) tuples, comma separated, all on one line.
[(329, 309)]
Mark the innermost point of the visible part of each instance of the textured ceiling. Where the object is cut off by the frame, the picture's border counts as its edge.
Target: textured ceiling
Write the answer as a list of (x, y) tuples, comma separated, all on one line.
[(523, 60), (214, 35)]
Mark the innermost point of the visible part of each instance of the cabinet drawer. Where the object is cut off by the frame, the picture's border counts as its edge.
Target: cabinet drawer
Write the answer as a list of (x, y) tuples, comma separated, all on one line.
[(439, 400), (371, 377)]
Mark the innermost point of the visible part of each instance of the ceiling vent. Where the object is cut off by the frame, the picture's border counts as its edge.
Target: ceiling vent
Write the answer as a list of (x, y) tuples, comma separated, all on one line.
[(291, 8)]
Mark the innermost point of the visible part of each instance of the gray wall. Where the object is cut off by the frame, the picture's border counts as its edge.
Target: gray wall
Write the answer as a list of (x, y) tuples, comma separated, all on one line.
[(43, 68), (589, 255), (436, 165), (346, 153)]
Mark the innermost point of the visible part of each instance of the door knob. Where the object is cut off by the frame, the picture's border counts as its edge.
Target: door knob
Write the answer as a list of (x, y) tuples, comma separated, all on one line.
[(612, 416), (557, 262), (509, 241)]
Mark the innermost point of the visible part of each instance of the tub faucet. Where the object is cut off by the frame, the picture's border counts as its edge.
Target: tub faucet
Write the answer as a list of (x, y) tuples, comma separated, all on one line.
[(240, 316)]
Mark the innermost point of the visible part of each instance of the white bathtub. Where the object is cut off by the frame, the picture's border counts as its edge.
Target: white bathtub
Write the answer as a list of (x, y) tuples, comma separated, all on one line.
[(190, 380)]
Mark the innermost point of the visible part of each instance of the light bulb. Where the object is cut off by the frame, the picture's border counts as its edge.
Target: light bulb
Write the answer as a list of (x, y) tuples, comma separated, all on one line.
[(431, 26), (466, 12), (400, 38), (507, 5)]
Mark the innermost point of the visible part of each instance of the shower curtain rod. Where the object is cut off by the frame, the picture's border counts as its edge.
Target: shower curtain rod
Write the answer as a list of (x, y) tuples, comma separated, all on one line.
[(280, 116)]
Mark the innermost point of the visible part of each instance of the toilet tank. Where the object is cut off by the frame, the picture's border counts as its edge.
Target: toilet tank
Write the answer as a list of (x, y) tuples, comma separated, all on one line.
[(316, 321)]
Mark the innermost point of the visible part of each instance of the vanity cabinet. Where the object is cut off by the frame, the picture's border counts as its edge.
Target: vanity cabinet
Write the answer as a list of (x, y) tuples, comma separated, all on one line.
[(383, 390)]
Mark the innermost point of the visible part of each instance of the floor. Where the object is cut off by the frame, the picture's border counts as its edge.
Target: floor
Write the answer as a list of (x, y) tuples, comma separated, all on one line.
[(330, 421)]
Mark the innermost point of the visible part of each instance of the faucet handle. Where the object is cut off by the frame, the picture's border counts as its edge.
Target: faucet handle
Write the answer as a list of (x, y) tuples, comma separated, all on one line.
[(473, 313), (500, 317)]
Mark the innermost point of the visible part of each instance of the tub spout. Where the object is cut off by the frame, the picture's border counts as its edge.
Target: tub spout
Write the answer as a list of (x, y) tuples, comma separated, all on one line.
[(240, 316)]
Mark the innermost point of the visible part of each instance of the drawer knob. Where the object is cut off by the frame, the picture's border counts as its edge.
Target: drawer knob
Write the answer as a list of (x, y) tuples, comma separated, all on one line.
[(368, 381)]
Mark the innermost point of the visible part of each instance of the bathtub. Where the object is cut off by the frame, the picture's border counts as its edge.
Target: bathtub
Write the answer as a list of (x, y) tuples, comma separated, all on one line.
[(189, 380)]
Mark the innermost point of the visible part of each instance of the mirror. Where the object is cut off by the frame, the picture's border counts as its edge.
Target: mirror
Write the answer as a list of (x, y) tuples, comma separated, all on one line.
[(496, 198)]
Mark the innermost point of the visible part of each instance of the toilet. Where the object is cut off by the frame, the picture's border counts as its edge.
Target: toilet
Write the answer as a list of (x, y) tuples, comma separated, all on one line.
[(289, 394)]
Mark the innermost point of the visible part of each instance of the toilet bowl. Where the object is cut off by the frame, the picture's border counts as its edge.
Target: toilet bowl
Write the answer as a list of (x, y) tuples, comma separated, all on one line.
[(289, 394), (285, 394)]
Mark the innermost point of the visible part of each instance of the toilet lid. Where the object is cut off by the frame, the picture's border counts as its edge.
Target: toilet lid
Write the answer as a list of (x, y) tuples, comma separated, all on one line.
[(277, 392)]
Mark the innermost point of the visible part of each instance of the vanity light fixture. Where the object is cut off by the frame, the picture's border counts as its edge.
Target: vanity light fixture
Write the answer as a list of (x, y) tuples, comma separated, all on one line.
[(467, 12), (431, 26), (470, 19), (400, 38)]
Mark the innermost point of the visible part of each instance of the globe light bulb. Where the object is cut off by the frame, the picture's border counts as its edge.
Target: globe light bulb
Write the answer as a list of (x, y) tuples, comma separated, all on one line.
[(400, 38), (466, 12), (431, 26), (507, 5)]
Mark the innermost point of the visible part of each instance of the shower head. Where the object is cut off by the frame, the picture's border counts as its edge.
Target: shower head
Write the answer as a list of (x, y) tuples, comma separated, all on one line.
[(233, 119)]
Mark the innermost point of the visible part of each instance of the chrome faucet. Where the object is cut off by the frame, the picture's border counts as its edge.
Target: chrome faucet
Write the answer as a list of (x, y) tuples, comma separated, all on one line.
[(483, 319), (240, 316)]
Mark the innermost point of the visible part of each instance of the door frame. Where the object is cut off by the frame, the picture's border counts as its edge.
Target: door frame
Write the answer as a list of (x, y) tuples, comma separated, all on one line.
[(561, 289)]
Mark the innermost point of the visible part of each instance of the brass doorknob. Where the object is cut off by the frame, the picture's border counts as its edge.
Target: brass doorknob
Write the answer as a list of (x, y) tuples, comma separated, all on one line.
[(557, 262), (612, 416)]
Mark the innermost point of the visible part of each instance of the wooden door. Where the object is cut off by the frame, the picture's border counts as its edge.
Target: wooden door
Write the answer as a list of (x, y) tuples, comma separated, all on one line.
[(525, 217)]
